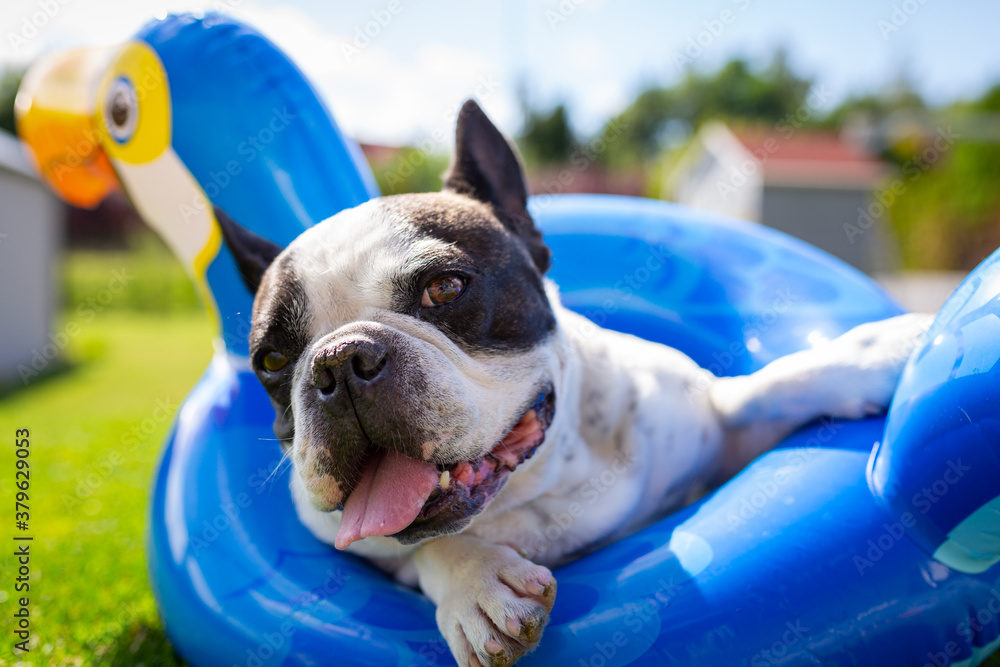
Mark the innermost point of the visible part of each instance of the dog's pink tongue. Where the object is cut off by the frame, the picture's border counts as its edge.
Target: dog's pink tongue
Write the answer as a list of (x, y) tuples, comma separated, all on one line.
[(392, 490)]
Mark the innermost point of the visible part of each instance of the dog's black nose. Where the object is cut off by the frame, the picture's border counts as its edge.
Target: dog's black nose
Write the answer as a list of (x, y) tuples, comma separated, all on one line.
[(357, 362)]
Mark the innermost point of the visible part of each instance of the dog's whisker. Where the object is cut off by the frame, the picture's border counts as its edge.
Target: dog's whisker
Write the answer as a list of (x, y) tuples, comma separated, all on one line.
[(285, 457)]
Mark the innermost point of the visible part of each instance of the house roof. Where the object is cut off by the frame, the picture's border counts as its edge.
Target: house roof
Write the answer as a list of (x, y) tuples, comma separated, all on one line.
[(377, 154), (810, 158)]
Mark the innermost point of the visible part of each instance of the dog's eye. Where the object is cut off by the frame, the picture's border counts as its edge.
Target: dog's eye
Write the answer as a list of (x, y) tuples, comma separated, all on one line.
[(442, 290), (273, 361)]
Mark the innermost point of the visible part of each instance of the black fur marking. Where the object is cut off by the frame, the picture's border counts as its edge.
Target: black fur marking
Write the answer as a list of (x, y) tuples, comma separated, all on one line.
[(504, 305), (279, 323), (253, 253), (487, 169)]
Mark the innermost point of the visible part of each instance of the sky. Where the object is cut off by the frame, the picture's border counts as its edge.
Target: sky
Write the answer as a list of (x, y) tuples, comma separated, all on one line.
[(394, 71)]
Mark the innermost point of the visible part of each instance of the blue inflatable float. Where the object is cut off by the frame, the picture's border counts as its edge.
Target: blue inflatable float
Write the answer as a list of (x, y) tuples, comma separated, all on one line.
[(855, 543)]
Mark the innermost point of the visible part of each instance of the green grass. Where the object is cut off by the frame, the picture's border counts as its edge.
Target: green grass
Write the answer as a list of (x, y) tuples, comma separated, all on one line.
[(137, 349), (90, 485), (154, 281)]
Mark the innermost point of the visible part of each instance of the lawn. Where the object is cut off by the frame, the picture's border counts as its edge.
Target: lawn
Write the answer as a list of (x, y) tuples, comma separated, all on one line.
[(97, 424), (96, 431)]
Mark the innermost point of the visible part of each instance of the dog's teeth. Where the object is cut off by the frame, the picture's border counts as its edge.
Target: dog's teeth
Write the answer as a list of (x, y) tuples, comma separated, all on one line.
[(445, 480)]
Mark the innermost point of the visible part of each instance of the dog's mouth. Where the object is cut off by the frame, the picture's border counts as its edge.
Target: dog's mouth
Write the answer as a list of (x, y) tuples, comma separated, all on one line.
[(411, 500)]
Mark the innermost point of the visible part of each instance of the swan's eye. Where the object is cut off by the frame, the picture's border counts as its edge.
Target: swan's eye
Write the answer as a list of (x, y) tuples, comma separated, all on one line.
[(121, 113)]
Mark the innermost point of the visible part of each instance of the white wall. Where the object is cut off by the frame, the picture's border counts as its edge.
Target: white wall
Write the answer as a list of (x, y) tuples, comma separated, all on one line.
[(717, 174), (31, 222)]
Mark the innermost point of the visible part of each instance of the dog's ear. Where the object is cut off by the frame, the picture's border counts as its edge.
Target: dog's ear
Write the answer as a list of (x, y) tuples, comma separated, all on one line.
[(253, 252), (485, 167)]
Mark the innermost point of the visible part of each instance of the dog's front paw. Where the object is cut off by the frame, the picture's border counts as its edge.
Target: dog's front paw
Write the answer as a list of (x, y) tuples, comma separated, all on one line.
[(866, 363), (495, 610)]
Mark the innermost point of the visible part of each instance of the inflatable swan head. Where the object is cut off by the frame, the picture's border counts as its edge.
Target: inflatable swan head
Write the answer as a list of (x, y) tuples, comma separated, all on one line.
[(156, 118)]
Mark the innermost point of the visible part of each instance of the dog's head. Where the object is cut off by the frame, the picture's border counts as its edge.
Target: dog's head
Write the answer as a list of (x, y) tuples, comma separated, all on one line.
[(406, 345)]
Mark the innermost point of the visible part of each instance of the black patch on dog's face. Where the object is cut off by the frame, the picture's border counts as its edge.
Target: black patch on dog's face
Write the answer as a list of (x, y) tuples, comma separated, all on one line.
[(504, 306), (280, 323)]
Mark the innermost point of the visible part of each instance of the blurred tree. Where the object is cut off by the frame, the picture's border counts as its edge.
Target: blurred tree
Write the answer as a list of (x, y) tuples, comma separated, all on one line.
[(735, 92), (946, 209), (890, 123), (9, 81), (411, 170), (900, 95), (639, 127), (547, 137)]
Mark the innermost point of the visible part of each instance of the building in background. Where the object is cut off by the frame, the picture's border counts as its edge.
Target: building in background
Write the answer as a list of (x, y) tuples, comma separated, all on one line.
[(31, 227), (816, 186)]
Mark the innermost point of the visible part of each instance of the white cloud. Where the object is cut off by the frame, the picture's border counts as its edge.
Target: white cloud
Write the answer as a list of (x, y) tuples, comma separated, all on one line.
[(605, 91), (380, 96), (29, 28), (375, 94)]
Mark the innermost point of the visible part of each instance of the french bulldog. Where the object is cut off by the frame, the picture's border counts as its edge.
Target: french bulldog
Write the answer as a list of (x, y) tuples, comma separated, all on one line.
[(440, 406)]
